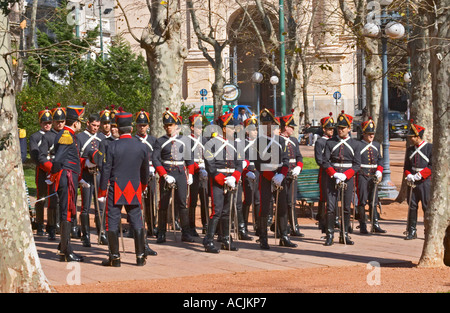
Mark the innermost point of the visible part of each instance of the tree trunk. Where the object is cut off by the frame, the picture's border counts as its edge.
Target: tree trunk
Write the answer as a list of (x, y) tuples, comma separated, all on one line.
[(165, 59), (437, 219), (20, 268)]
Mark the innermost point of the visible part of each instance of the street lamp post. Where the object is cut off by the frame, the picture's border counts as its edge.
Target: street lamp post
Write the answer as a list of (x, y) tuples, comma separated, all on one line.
[(282, 57), (393, 30), (274, 81), (257, 78)]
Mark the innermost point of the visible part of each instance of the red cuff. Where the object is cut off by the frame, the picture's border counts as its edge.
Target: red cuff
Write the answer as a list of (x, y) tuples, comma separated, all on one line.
[(407, 173), (161, 170), (92, 157), (237, 175), (196, 167), (330, 171), (101, 193), (380, 168), (284, 170), (47, 166), (247, 163), (349, 173), (426, 172), (191, 168), (299, 163), (220, 179)]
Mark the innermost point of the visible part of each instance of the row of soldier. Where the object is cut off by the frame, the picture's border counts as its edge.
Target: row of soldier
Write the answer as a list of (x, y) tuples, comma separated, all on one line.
[(114, 172)]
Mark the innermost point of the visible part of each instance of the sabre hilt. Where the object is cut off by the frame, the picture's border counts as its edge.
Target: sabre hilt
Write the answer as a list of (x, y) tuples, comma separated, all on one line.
[(277, 187), (410, 184), (342, 185)]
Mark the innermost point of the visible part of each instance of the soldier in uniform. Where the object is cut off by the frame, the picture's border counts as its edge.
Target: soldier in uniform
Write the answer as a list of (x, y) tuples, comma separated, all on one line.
[(199, 187), (328, 128), (287, 125), (250, 176), (65, 172), (171, 157), (273, 165), (105, 124), (371, 170), (45, 121), (417, 169), (45, 158), (341, 160), (224, 165), (127, 172), (142, 120), (89, 144)]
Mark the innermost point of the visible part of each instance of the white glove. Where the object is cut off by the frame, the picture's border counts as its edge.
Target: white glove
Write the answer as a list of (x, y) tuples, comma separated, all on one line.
[(417, 177), (203, 173), (340, 176), (230, 181), (251, 175), (410, 178), (201, 165), (151, 170), (338, 181), (84, 184), (89, 164), (170, 179), (296, 171), (378, 174), (48, 181), (102, 199), (278, 179), (190, 179)]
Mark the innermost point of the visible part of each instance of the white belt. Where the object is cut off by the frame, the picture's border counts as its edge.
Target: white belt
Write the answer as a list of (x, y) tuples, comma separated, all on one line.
[(369, 165), (226, 170), (270, 167), (417, 169), (251, 163), (199, 160), (292, 160), (342, 164), (173, 162)]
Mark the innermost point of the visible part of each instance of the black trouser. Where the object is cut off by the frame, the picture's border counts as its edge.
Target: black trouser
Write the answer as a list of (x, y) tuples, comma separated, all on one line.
[(196, 191), (333, 196), (291, 194), (87, 194), (150, 205), (421, 193), (366, 191), (179, 201), (251, 190)]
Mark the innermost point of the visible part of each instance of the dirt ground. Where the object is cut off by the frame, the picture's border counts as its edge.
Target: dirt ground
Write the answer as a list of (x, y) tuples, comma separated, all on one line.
[(396, 278)]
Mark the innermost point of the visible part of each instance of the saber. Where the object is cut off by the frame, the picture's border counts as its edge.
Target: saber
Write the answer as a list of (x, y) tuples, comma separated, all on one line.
[(342, 186), (252, 185), (372, 214), (121, 234), (204, 186), (293, 196), (411, 186), (173, 186), (232, 191), (98, 206), (43, 198), (278, 189)]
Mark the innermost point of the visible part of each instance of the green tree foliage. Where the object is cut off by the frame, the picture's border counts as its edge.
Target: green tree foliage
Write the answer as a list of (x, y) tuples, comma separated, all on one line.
[(64, 73)]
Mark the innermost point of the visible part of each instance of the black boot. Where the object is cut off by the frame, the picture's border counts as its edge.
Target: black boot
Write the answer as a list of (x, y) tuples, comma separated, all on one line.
[(208, 241), (411, 230), (227, 240), (114, 255), (139, 246), (185, 229), (51, 230), (66, 252), (322, 218), (331, 220), (161, 236), (362, 219), (103, 239), (85, 235), (263, 242), (376, 225), (284, 240), (344, 236)]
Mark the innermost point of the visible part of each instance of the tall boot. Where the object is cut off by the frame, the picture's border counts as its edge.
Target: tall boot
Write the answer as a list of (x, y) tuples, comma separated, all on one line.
[(263, 241), (103, 238), (245, 213), (139, 246), (362, 219), (295, 228), (344, 233), (284, 240), (331, 220), (85, 235), (208, 241), (114, 255), (242, 230), (66, 252), (321, 217), (376, 224), (227, 240), (162, 224), (411, 230), (51, 223), (185, 230), (75, 231), (192, 229)]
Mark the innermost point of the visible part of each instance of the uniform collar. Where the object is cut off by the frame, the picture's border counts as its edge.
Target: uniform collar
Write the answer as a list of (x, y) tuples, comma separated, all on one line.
[(125, 136), (70, 129)]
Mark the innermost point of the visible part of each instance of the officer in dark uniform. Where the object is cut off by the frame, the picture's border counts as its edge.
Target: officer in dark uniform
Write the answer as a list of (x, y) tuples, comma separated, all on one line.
[(250, 176), (45, 121), (126, 170), (328, 128), (142, 120), (370, 172), (341, 160), (273, 165), (171, 157), (103, 148), (224, 165), (417, 169), (287, 125), (89, 145), (65, 172), (199, 187)]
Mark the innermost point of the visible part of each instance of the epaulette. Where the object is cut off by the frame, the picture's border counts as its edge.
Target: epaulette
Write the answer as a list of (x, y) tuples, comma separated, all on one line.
[(66, 138)]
